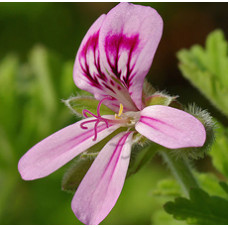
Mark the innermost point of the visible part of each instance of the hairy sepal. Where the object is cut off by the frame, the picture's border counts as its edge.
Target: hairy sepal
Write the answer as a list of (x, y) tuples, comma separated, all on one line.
[(79, 103), (160, 98)]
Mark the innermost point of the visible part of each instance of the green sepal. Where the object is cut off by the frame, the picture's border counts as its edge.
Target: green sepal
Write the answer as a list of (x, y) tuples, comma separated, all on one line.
[(141, 154), (148, 89), (74, 175), (159, 99), (78, 104)]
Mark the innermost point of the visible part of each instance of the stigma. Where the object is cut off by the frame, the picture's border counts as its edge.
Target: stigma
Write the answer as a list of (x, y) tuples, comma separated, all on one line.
[(127, 119)]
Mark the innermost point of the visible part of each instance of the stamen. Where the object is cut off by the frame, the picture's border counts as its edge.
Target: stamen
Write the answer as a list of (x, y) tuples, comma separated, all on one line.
[(86, 122), (99, 105), (95, 130), (106, 122), (120, 112)]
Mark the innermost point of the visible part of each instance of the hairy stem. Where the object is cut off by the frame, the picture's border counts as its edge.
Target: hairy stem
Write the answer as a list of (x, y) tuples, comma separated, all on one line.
[(181, 170)]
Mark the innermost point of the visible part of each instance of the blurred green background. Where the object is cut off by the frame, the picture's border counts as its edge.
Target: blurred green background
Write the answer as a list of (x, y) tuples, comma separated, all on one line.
[(38, 44)]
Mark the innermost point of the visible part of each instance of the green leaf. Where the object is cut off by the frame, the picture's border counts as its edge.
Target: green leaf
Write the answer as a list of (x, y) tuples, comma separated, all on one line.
[(40, 63), (167, 187), (160, 217), (207, 69), (209, 183), (224, 186), (9, 118), (78, 104), (8, 181), (201, 208), (67, 85), (31, 109), (219, 150)]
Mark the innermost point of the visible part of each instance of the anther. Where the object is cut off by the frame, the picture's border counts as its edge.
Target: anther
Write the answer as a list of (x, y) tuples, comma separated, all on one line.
[(117, 116)]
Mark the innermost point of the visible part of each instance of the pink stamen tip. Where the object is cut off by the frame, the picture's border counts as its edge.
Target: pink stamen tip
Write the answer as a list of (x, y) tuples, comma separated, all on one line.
[(95, 130), (86, 122), (83, 127), (95, 138)]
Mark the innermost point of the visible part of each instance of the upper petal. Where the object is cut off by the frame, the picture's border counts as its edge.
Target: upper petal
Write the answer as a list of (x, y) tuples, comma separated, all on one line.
[(101, 187), (170, 127), (129, 37), (59, 148), (116, 53), (88, 74)]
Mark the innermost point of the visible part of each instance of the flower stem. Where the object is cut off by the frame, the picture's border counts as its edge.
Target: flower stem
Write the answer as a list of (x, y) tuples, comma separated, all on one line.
[(181, 170)]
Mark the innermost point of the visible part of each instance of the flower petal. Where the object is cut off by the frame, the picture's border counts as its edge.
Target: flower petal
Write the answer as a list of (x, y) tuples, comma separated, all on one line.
[(170, 127), (88, 74), (59, 148), (101, 187), (87, 66), (129, 37), (116, 53)]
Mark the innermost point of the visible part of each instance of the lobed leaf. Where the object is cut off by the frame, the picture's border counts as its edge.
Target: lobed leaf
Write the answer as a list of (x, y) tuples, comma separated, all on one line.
[(201, 208), (207, 69)]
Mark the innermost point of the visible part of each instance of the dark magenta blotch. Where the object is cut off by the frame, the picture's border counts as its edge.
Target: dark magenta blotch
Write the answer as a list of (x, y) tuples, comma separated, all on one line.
[(114, 44)]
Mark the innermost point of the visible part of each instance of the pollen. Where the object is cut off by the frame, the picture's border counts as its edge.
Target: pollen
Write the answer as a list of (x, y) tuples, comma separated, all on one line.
[(120, 112)]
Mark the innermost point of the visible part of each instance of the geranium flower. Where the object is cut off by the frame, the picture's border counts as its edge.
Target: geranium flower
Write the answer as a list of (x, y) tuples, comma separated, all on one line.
[(112, 62)]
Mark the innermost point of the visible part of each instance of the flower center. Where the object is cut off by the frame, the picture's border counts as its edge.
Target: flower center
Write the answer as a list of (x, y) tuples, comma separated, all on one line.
[(127, 119)]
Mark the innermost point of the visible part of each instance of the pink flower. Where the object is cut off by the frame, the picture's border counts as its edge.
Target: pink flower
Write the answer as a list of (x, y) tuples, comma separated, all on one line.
[(112, 62)]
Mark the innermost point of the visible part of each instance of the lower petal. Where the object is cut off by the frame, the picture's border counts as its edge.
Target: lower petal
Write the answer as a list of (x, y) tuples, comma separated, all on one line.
[(170, 127), (59, 148), (101, 187)]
